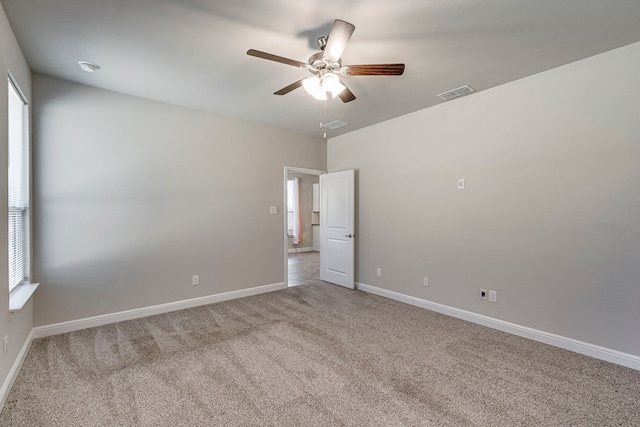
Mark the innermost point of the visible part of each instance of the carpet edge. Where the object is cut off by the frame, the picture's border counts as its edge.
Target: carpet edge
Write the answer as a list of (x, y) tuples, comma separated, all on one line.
[(576, 346), (15, 370), (105, 319)]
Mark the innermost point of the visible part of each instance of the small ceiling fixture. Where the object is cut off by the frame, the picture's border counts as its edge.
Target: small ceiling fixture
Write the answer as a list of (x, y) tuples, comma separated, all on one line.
[(457, 92), (334, 124), (87, 66)]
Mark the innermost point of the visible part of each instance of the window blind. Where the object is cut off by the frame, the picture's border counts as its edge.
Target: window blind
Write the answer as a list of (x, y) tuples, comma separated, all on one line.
[(18, 188)]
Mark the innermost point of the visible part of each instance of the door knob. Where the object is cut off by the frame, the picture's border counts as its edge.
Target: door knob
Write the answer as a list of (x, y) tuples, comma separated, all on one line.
[(349, 235)]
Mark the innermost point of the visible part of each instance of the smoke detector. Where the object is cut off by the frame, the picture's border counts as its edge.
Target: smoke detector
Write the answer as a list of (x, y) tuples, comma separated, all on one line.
[(87, 66)]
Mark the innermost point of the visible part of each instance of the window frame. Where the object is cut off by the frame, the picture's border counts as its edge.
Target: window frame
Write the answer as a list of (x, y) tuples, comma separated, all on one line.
[(21, 194)]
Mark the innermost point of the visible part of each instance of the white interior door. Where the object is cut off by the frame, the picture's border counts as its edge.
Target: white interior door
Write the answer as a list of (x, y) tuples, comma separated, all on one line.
[(337, 228)]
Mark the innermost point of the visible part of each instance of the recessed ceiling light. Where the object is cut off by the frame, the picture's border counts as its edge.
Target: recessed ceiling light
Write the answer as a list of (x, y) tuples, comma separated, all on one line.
[(87, 66)]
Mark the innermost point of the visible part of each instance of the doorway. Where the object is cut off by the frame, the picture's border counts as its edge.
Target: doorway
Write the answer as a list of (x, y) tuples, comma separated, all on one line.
[(301, 225)]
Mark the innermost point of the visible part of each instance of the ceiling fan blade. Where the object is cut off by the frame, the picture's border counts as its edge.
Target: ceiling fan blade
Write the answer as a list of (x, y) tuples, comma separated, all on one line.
[(374, 70), (285, 90), (337, 41), (276, 58), (346, 95)]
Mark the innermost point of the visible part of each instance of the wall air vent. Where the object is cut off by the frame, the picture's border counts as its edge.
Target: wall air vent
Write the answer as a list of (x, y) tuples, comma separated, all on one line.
[(455, 93), (335, 124)]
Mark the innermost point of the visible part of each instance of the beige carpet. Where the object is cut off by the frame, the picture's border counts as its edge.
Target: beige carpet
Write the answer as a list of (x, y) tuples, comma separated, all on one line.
[(313, 355)]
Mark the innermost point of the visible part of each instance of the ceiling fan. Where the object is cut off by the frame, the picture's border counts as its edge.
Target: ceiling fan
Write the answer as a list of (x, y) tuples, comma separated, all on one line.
[(326, 66)]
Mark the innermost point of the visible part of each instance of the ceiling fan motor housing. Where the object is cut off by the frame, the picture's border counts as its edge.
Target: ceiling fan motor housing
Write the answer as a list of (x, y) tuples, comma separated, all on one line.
[(317, 62)]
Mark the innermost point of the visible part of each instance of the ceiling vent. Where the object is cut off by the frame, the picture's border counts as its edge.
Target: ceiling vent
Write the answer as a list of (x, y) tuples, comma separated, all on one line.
[(335, 124), (455, 93)]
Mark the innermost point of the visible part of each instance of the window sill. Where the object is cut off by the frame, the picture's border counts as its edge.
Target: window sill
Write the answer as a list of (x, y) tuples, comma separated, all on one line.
[(21, 295)]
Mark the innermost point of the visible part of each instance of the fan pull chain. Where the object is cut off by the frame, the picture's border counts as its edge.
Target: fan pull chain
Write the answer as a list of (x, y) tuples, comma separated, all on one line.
[(324, 116)]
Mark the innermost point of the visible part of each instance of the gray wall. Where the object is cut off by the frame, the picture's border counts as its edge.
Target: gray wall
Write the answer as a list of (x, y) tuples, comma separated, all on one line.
[(19, 327), (135, 197), (550, 217)]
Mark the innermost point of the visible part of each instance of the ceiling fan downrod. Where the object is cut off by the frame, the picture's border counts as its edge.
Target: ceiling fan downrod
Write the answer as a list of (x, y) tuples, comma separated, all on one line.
[(322, 42)]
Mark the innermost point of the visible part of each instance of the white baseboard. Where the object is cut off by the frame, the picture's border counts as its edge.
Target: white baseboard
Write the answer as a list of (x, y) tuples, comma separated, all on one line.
[(105, 319), (304, 249), (15, 369), (602, 353)]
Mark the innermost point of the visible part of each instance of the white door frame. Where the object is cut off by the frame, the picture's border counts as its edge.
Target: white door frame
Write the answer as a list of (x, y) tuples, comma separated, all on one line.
[(293, 169)]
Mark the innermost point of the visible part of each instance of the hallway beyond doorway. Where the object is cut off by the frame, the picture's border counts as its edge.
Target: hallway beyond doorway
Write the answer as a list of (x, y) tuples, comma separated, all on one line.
[(304, 268)]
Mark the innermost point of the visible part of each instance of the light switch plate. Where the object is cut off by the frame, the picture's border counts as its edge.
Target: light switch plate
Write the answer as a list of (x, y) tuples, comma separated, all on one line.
[(273, 210), (461, 184), (493, 296)]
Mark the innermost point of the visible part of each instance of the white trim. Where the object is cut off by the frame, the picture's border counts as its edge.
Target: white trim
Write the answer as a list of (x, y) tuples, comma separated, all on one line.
[(19, 297), (105, 319), (602, 353), (15, 370), (303, 249), (304, 171)]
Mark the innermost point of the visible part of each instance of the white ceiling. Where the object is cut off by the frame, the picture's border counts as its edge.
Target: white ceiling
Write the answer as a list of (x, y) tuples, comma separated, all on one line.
[(192, 53)]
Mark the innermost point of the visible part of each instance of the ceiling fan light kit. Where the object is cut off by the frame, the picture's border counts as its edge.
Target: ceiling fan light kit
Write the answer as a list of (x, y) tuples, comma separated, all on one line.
[(319, 87), (331, 83), (327, 65), (314, 88)]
